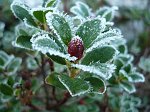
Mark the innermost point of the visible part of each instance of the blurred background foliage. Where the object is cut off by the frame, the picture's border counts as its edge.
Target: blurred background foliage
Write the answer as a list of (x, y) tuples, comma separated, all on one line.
[(133, 18)]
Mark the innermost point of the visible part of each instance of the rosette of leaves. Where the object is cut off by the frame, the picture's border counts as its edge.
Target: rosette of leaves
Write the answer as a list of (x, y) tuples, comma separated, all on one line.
[(85, 49), (124, 102), (9, 65), (125, 74)]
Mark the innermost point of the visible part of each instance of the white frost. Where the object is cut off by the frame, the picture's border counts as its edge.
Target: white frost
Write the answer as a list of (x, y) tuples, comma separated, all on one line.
[(72, 94), (105, 71), (46, 49)]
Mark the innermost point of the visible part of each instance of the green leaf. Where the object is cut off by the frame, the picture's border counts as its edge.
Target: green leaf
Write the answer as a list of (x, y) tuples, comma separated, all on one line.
[(61, 26), (126, 58), (47, 45), (2, 61), (103, 70), (119, 64), (31, 63), (136, 77), (23, 30), (82, 108), (10, 81), (107, 12), (23, 42), (144, 64), (122, 48), (93, 108), (6, 89), (44, 41), (127, 86), (5, 59), (81, 10), (110, 37), (97, 85), (50, 3), (17, 92), (101, 54), (136, 101), (22, 12), (53, 80), (75, 86), (57, 59), (2, 25), (90, 30), (127, 68), (40, 14), (14, 65)]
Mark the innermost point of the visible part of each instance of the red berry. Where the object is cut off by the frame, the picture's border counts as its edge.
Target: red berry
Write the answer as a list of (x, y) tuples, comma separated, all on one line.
[(27, 84), (75, 47)]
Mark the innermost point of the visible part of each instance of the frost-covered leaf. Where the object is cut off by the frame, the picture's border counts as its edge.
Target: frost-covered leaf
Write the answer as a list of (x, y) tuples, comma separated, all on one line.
[(2, 25), (81, 10), (107, 12), (123, 75), (106, 38), (31, 63), (127, 68), (101, 54), (14, 65), (136, 77), (102, 70), (22, 29), (127, 86), (60, 25), (40, 14), (97, 85), (82, 108), (6, 89), (23, 42), (44, 41), (75, 86), (22, 12), (47, 45), (90, 30), (10, 81), (122, 49), (51, 3), (53, 80), (144, 64), (57, 59), (5, 59), (136, 101), (119, 64), (126, 58), (6, 41)]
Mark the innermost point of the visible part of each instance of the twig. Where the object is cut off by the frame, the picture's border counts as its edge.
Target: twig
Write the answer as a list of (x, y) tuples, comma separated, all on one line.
[(60, 103), (51, 64), (44, 76), (65, 6), (34, 107), (54, 94)]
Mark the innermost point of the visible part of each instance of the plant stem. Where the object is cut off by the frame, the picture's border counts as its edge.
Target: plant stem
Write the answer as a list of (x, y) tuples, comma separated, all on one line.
[(60, 103), (54, 94), (45, 85)]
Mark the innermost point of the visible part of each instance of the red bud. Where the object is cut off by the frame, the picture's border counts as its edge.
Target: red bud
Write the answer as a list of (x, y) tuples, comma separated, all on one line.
[(75, 47)]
